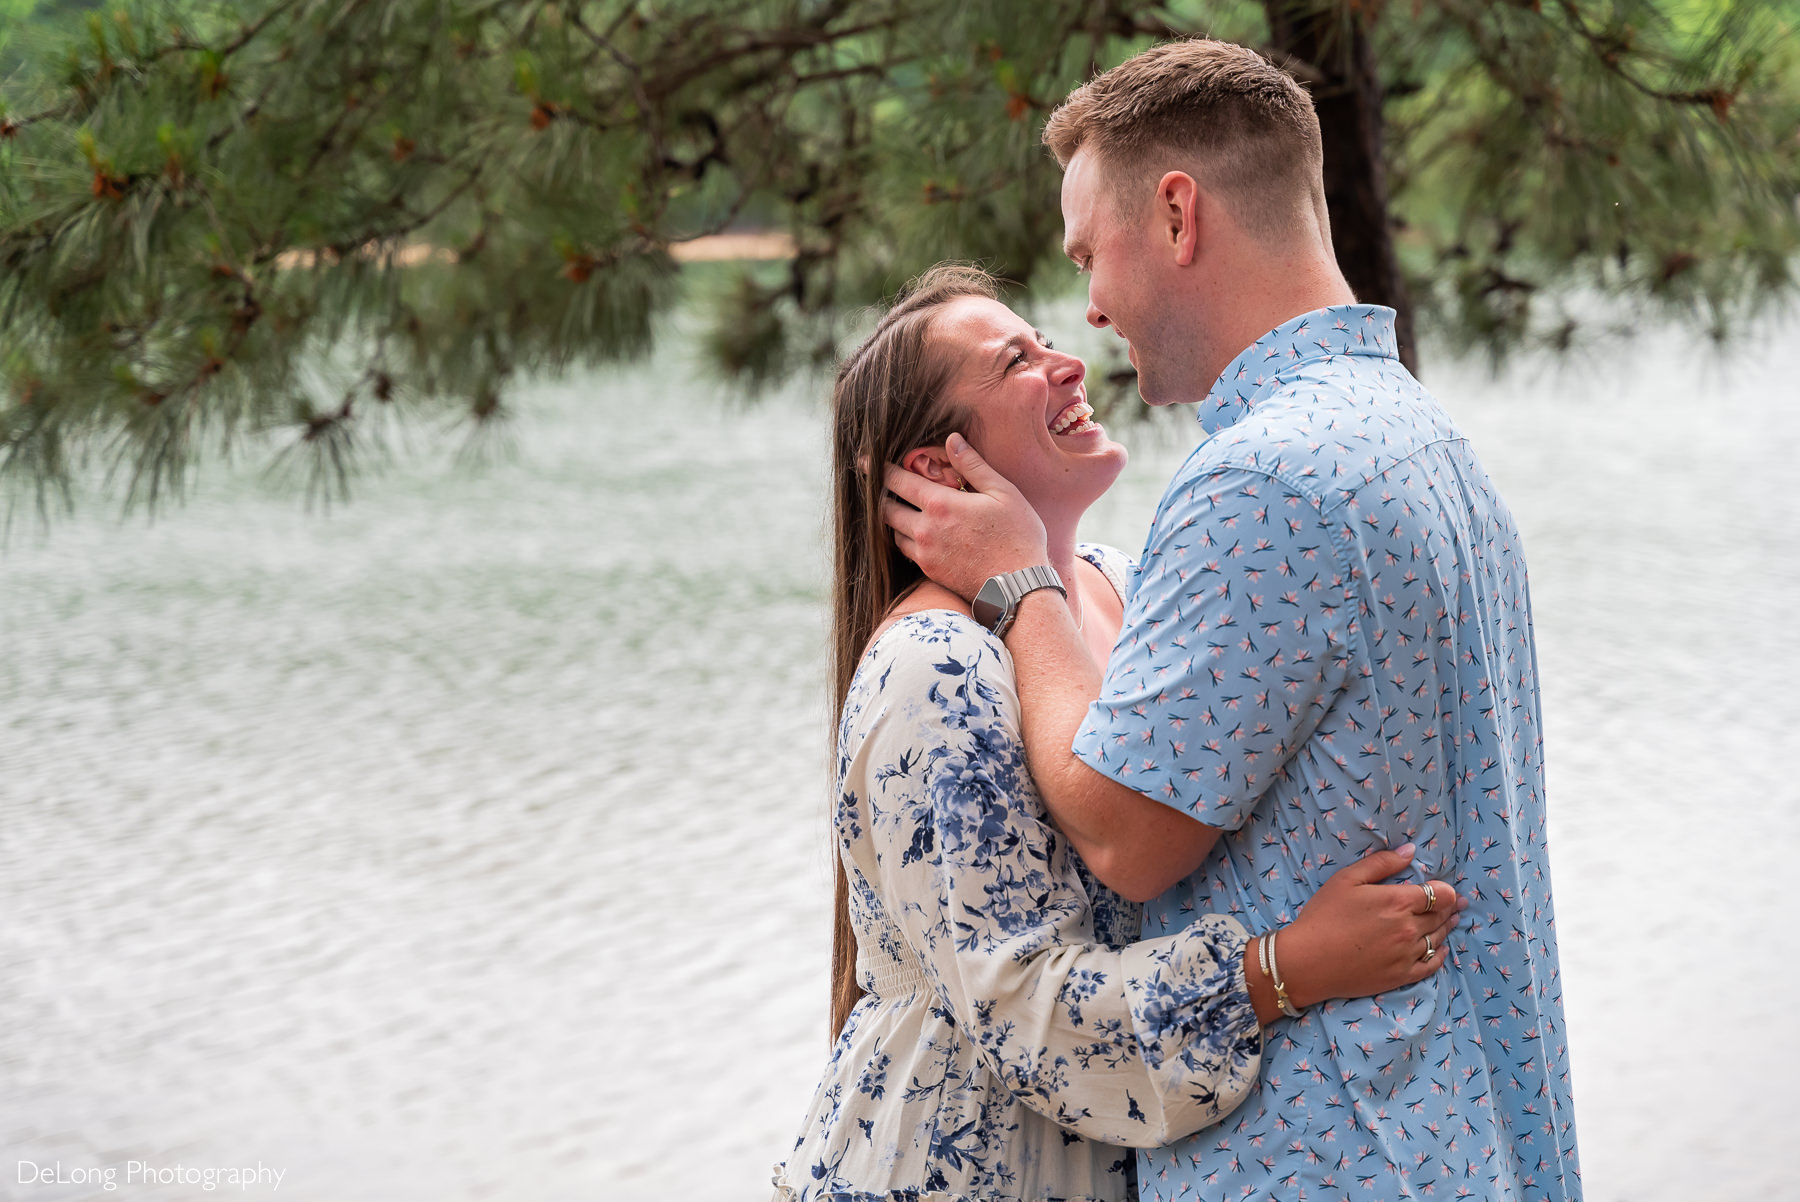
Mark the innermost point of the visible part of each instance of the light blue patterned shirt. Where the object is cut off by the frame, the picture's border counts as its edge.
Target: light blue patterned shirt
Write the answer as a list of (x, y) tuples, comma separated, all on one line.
[(1328, 650)]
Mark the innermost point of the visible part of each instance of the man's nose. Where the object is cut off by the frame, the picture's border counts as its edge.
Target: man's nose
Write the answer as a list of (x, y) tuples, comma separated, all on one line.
[(1096, 318)]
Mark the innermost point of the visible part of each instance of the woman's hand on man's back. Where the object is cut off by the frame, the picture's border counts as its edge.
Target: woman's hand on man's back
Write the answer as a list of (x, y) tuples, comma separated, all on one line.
[(1358, 937)]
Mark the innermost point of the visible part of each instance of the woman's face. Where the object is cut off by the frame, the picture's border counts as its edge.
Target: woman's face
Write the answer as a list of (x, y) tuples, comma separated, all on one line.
[(1028, 404)]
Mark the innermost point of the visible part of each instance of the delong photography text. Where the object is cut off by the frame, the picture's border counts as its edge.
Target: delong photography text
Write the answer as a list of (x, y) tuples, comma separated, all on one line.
[(144, 1173)]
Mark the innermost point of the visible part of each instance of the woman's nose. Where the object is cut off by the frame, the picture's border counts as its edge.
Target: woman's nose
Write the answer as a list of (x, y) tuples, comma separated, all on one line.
[(1069, 372)]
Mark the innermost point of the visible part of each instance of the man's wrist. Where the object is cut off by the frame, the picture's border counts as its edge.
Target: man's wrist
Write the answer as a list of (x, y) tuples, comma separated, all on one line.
[(1000, 565), (996, 603), (1033, 602)]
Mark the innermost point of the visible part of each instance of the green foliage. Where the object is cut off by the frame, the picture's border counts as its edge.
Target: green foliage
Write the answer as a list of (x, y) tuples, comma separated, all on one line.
[(1620, 149), (202, 203)]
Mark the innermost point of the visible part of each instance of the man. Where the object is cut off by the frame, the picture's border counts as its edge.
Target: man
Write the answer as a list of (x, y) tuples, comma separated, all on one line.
[(1327, 649)]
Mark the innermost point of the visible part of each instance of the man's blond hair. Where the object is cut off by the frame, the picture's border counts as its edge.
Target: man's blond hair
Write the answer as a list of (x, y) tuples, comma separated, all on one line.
[(1246, 125)]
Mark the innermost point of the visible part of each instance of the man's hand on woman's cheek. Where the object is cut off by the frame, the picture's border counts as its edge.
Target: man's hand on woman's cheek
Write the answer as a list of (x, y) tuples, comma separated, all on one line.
[(960, 538)]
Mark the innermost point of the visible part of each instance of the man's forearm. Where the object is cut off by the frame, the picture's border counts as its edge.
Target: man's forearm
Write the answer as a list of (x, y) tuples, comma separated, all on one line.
[(1057, 679)]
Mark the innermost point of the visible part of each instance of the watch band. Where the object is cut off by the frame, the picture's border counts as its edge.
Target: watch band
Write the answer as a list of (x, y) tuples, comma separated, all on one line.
[(997, 604)]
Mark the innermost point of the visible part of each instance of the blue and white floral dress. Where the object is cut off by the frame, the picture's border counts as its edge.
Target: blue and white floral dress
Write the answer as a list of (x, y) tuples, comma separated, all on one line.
[(1011, 1030)]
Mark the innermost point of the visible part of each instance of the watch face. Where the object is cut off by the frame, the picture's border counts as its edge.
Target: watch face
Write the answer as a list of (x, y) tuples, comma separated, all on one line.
[(990, 603)]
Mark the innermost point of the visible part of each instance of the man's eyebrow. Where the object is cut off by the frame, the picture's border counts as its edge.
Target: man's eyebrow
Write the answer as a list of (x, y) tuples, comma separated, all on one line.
[(1074, 248)]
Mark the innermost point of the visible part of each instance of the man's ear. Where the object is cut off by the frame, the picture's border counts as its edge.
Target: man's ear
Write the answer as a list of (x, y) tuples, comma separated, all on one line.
[(1178, 208), (933, 464)]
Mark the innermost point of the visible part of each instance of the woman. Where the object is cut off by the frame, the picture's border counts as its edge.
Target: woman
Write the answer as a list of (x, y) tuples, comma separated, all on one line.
[(996, 1024)]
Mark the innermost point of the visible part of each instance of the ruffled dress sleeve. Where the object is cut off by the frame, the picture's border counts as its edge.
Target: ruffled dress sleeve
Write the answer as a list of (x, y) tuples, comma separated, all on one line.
[(1139, 1046)]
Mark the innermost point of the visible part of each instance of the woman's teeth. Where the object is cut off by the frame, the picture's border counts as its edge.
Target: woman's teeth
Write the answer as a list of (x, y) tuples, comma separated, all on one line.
[(1074, 419)]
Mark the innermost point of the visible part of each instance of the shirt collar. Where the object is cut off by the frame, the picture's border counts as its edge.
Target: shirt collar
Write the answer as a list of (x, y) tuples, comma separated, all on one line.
[(1322, 334)]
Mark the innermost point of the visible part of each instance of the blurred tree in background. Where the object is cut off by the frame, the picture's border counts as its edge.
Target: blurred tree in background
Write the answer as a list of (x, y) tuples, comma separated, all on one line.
[(218, 219)]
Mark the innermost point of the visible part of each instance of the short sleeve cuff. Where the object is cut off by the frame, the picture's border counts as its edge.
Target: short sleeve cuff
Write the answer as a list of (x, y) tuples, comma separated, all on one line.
[(1109, 753)]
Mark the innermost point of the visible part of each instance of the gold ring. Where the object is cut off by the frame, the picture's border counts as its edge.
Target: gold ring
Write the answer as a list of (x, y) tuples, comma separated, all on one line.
[(1430, 898), (1429, 950)]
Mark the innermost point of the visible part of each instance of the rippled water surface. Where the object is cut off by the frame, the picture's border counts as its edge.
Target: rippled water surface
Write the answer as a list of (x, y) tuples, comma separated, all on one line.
[(467, 842)]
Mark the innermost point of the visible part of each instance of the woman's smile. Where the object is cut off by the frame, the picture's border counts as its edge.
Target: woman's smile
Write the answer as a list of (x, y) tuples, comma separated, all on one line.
[(1074, 420)]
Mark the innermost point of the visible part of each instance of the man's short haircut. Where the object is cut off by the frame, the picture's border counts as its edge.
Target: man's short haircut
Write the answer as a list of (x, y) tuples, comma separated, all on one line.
[(1247, 125)]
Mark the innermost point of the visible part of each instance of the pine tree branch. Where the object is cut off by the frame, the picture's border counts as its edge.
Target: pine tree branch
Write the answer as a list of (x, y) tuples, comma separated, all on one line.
[(397, 126), (250, 32), (364, 241), (134, 67), (863, 71), (1142, 25), (790, 41), (1612, 52), (625, 13)]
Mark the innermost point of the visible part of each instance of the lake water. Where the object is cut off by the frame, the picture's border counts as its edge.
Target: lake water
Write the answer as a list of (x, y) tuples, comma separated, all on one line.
[(467, 842)]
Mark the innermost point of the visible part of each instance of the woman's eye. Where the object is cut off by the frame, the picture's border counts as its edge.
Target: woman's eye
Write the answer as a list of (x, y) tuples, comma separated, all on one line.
[(1017, 359)]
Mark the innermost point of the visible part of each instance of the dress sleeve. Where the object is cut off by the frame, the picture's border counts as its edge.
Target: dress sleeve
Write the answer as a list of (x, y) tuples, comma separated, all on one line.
[(1139, 1046)]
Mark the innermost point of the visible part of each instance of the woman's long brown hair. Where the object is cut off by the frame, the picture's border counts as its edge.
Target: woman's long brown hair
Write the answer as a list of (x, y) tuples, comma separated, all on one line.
[(888, 400)]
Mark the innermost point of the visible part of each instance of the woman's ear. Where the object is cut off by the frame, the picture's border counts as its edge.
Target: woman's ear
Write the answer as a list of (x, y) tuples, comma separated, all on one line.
[(933, 464)]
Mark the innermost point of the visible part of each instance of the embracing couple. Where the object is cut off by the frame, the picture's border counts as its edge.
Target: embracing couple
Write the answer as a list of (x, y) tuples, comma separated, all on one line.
[(1235, 854)]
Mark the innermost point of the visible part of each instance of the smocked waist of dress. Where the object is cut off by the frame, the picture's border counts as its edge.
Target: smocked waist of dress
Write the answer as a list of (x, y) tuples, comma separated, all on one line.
[(887, 976)]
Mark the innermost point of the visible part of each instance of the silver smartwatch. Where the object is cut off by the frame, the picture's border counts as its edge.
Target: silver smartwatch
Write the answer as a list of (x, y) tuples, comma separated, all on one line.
[(997, 604)]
